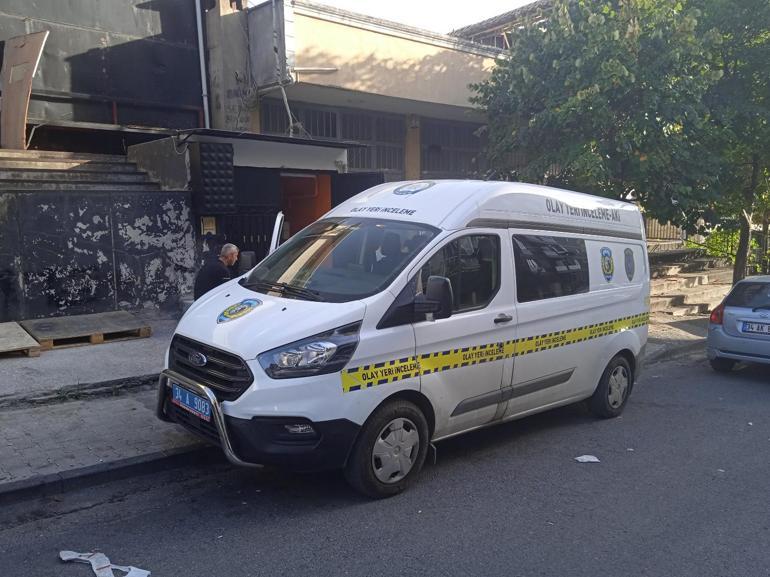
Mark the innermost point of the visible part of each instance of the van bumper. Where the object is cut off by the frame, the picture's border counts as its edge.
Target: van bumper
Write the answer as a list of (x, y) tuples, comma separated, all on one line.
[(293, 443), (639, 361)]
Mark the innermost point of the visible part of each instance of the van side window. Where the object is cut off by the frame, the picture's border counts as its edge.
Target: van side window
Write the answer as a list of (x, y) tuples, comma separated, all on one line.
[(472, 265), (549, 267)]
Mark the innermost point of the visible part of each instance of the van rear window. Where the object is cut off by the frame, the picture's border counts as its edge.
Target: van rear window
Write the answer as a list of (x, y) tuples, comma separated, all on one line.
[(549, 266)]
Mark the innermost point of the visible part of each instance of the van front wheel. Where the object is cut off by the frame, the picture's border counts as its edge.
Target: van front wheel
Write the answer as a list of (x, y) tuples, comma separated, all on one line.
[(611, 394), (390, 450)]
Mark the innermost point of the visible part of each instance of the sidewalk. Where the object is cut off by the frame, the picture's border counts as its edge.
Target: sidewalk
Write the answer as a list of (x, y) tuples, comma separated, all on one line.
[(671, 336), (83, 411), (63, 373), (78, 412)]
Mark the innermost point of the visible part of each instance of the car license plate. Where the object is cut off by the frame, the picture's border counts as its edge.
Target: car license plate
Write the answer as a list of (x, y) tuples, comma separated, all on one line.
[(190, 402), (756, 328)]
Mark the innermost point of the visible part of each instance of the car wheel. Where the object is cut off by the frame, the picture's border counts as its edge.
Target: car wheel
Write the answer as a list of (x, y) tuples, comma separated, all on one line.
[(390, 450), (612, 392), (721, 365)]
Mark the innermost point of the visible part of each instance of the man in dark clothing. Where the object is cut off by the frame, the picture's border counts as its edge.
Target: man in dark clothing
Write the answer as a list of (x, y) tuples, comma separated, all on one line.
[(215, 272)]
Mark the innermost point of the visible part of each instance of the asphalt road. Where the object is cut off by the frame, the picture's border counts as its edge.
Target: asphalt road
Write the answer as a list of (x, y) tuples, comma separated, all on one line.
[(683, 488)]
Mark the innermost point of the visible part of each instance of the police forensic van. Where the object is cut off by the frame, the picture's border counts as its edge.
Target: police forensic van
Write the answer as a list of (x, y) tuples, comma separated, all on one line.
[(411, 313)]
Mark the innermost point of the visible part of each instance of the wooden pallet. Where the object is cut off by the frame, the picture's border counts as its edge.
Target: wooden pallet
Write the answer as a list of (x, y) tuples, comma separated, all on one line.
[(79, 330), (14, 339)]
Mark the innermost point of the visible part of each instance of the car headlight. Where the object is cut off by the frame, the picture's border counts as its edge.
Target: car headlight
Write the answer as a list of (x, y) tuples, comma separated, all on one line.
[(325, 353)]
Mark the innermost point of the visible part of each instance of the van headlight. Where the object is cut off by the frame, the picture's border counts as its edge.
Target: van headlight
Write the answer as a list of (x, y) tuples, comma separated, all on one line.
[(325, 353)]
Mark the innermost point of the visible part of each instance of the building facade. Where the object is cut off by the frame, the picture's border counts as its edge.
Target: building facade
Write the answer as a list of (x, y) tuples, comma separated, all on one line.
[(303, 69)]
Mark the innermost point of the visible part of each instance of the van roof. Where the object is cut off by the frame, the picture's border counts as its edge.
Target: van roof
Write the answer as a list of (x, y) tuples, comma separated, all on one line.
[(456, 204)]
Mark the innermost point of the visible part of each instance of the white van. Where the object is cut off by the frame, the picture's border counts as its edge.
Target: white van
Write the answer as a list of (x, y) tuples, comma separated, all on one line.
[(411, 313)]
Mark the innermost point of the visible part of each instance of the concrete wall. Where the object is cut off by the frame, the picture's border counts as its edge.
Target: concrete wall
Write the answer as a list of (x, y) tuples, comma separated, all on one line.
[(112, 61), (232, 98), (385, 62), (64, 253), (263, 154), (164, 162)]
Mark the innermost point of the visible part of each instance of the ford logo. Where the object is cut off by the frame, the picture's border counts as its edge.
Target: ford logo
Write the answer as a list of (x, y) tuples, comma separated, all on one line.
[(197, 359)]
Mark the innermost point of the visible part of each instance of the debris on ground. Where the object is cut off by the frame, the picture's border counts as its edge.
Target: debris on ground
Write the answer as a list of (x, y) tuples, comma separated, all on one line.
[(587, 459), (101, 565)]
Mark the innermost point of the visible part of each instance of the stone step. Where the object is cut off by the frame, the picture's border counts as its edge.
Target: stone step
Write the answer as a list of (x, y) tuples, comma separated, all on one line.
[(720, 275), (66, 164), (72, 175), (8, 154), (665, 286), (681, 282), (679, 310), (703, 264), (94, 185), (708, 295), (692, 266), (664, 270), (689, 310)]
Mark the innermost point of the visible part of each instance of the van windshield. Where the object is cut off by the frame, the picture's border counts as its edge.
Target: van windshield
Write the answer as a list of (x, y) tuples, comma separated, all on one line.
[(340, 259)]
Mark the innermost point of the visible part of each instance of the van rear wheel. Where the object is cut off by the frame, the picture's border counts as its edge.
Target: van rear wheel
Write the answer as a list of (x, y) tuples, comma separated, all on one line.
[(390, 450), (612, 392)]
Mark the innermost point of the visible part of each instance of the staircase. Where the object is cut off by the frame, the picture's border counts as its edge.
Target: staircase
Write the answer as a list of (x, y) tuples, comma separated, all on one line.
[(689, 288), (43, 170)]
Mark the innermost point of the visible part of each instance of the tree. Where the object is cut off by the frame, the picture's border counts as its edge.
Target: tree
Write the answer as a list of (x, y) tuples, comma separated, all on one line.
[(739, 104), (607, 97)]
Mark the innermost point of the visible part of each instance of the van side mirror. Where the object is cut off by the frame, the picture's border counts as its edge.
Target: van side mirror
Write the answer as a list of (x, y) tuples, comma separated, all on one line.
[(437, 298)]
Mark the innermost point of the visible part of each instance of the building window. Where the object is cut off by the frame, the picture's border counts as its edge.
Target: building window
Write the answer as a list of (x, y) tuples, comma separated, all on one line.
[(383, 134), (549, 267), (449, 149)]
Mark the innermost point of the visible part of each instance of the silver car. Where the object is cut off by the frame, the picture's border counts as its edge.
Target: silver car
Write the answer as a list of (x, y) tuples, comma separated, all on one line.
[(739, 328)]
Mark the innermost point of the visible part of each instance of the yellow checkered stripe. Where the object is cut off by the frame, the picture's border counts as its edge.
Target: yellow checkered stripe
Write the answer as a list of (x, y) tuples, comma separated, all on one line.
[(368, 376)]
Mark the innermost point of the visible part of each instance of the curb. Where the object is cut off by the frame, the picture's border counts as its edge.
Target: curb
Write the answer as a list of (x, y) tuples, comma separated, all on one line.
[(54, 483), (673, 352), (78, 391)]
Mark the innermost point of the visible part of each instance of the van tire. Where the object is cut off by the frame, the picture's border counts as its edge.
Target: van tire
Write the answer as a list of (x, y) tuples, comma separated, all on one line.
[(396, 421), (614, 388)]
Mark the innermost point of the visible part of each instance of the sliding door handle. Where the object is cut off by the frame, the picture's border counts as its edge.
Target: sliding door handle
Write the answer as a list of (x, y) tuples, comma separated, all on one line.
[(503, 319)]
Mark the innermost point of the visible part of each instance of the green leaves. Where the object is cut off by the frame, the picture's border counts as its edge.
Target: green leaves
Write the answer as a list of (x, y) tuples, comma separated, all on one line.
[(633, 99)]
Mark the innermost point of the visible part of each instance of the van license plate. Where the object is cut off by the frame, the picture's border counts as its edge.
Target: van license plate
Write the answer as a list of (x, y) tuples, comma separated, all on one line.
[(190, 402), (756, 328)]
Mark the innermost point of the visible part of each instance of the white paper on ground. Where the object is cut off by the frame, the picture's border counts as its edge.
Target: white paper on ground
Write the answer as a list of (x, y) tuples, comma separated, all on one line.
[(587, 459), (101, 565)]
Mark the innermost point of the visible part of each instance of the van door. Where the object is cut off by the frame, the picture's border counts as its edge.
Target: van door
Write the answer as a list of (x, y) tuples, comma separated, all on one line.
[(275, 239), (463, 358), (552, 298)]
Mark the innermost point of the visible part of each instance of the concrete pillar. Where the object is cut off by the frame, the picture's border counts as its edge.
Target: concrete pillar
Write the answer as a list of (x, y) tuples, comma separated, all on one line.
[(255, 118), (412, 161), (228, 53)]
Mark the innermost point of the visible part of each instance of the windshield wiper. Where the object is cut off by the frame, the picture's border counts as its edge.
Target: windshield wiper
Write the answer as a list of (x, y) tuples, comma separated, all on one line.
[(283, 288), (761, 307), (301, 291)]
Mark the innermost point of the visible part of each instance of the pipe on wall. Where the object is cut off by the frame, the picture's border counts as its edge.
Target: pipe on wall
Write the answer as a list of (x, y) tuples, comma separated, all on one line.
[(202, 59)]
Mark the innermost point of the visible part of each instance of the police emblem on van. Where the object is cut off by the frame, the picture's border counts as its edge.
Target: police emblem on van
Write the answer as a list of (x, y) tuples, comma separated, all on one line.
[(630, 264), (238, 310), (608, 265), (413, 188)]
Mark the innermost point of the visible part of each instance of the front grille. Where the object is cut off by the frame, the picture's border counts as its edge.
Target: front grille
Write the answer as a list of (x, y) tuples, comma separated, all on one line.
[(205, 429), (227, 375)]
